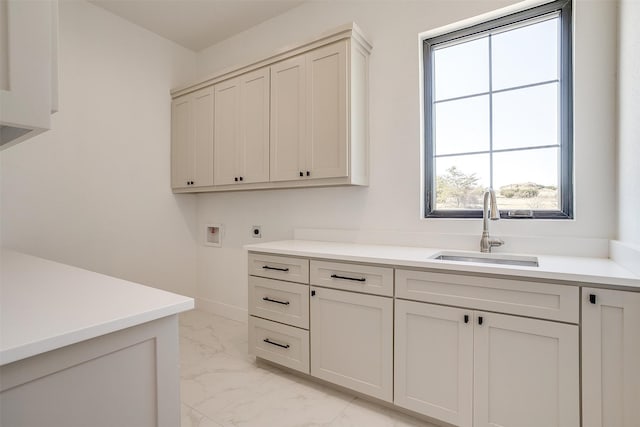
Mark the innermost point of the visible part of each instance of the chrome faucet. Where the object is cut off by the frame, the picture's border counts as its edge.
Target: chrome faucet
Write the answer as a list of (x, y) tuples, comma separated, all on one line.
[(486, 242)]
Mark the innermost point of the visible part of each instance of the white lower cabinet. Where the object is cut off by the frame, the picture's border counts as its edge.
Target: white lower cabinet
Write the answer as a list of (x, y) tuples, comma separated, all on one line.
[(434, 361), (470, 368), (526, 372), (279, 310), (279, 343), (352, 340), (610, 358), (280, 301), (469, 351)]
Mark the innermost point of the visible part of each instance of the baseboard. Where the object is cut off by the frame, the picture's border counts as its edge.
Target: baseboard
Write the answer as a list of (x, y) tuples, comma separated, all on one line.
[(221, 309), (625, 254)]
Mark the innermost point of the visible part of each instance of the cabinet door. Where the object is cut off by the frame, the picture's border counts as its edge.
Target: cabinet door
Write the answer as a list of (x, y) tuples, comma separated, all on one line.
[(227, 131), (526, 372), (434, 361), (352, 341), (610, 358), (202, 174), (28, 69), (288, 119), (327, 112), (181, 145), (253, 152)]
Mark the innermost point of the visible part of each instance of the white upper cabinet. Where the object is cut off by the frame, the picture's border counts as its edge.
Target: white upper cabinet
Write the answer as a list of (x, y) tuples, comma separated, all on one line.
[(202, 138), (309, 115), (288, 119), (297, 118), (241, 124), (327, 150), (181, 142), (253, 155), (610, 358), (226, 131), (192, 140), (28, 68)]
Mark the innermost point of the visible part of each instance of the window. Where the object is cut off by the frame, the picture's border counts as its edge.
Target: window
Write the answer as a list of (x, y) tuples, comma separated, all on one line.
[(498, 114)]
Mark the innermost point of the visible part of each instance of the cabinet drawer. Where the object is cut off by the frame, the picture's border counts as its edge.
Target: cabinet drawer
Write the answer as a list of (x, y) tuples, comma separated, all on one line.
[(352, 277), (283, 302), (282, 344), (279, 267), (520, 297)]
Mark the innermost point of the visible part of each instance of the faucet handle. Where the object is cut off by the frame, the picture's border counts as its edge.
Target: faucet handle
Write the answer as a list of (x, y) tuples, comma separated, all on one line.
[(493, 242)]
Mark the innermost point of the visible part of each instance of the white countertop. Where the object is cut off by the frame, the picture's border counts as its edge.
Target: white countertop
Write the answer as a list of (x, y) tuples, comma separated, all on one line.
[(588, 271), (46, 305)]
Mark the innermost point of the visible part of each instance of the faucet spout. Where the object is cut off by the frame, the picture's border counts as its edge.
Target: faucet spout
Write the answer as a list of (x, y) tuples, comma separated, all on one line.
[(489, 211)]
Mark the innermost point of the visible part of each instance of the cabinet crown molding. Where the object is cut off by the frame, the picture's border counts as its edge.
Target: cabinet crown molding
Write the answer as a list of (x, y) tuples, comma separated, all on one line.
[(347, 31)]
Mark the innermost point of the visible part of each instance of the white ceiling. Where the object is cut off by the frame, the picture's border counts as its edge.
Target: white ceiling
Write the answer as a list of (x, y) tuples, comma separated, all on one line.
[(197, 24)]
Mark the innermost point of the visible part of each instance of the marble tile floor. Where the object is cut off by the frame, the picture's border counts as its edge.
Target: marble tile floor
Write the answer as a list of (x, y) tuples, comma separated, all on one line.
[(221, 385)]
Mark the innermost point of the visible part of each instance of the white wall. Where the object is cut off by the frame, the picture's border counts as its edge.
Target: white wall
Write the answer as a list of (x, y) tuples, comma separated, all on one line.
[(392, 201), (94, 191), (629, 123)]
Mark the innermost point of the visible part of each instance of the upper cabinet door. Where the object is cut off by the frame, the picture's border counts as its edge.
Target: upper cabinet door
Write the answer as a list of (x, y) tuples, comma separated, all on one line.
[(327, 152), (192, 140), (288, 119), (28, 68), (610, 355), (227, 132), (203, 138), (254, 105), (181, 146)]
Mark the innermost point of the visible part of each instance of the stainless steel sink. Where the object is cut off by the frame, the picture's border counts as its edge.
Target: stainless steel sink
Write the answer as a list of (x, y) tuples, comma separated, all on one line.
[(525, 261)]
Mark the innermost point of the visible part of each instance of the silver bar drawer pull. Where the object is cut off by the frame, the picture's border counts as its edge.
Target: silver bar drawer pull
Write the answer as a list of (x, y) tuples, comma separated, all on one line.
[(266, 267), (268, 341), (357, 279), (275, 300)]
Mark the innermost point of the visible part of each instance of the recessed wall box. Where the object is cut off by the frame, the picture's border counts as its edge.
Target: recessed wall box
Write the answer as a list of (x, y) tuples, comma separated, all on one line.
[(213, 235)]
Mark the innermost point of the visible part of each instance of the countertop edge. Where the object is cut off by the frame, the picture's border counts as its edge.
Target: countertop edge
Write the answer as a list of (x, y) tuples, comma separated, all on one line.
[(52, 343)]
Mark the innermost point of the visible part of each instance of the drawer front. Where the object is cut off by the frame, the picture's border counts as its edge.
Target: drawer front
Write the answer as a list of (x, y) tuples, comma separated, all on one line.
[(279, 267), (520, 297), (352, 277), (282, 344), (283, 302)]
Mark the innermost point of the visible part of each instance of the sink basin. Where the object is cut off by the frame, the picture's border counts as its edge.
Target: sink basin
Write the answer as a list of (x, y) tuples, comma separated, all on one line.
[(525, 261)]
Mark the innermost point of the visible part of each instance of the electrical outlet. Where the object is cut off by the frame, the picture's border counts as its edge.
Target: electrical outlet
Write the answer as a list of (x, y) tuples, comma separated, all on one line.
[(256, 233)]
